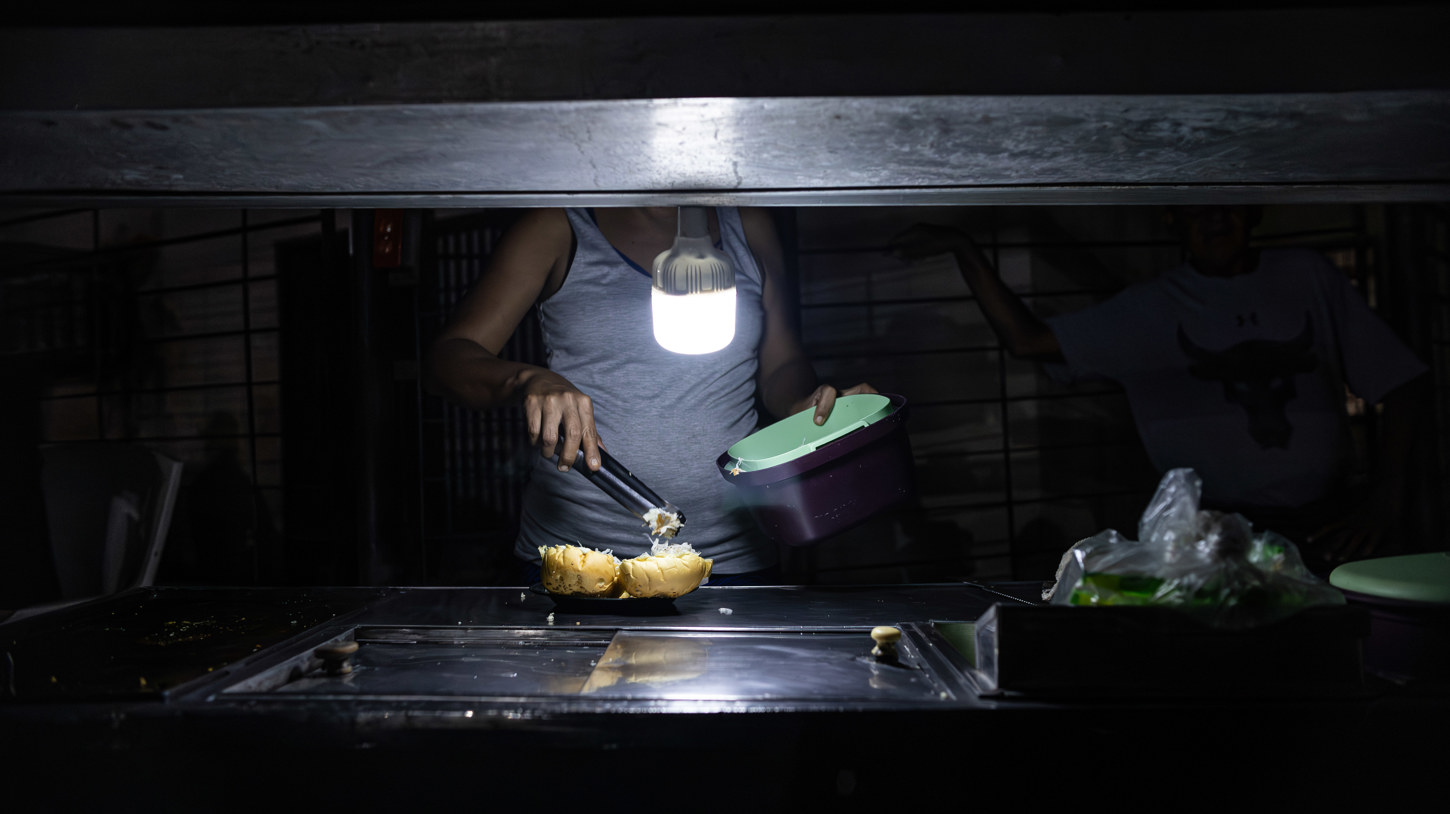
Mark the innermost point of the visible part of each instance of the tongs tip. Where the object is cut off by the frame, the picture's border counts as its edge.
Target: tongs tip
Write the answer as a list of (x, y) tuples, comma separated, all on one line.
[(664, 521)]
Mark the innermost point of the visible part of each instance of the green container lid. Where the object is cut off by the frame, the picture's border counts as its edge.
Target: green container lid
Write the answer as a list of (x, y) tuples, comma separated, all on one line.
[(799, 435), (1413, 577)]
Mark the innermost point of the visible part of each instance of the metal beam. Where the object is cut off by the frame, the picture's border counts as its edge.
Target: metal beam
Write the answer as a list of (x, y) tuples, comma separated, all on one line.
[(1310, 105), (1390, 144)]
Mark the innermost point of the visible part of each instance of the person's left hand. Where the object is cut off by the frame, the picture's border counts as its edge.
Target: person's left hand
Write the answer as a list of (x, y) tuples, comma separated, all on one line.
[(823, 398)]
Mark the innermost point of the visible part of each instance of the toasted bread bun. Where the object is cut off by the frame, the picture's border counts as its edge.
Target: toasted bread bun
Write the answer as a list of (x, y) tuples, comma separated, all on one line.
[(571, 570), (671, 569)]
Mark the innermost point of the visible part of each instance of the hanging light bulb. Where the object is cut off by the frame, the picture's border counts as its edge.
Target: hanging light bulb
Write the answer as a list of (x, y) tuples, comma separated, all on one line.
[(693, 295)]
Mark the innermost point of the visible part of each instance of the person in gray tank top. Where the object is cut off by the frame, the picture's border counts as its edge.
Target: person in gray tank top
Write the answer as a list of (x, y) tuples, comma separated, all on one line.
[(607, 383)]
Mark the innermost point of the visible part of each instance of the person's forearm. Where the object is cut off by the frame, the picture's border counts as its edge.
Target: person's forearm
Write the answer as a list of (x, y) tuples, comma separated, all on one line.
[(465, 373), (1021, 332), (784, 388)]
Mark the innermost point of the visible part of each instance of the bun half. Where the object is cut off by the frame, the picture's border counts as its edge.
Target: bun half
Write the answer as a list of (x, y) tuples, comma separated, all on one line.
[(571, 570), (663, 574)]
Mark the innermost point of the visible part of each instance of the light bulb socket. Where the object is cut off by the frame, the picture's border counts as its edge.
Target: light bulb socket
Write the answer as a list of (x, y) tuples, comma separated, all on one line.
[(692, 265), (694, 221)]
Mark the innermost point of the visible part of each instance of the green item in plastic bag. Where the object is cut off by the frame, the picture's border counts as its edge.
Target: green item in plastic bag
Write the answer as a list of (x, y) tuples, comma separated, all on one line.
[(1208, 564)]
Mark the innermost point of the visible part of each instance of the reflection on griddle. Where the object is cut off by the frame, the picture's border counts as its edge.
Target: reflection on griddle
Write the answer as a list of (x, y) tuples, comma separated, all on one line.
[(754, 666), (648, 660)]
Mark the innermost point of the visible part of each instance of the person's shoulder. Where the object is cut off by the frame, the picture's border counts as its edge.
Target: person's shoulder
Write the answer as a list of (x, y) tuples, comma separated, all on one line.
[(537, 241), (545, 218), (1303, 269), (759, 227), (545, 225), (753, 216)]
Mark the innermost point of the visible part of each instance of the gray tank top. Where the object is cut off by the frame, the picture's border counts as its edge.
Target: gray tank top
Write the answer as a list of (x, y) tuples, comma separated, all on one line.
[(665, 416)]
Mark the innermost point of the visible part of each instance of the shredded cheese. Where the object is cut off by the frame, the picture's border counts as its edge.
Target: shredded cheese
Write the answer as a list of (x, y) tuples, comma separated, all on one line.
[(659, 548), (661, 523)]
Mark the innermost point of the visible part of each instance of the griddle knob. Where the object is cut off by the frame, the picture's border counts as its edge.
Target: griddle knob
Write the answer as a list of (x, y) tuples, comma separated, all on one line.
[(886, 638), (336, 657)]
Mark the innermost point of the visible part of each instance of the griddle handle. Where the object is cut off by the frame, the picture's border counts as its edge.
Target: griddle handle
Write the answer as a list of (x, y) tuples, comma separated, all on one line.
[(336, 657), (885, 638)]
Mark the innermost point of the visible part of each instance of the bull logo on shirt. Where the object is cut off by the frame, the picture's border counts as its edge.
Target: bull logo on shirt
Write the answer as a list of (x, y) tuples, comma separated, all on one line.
[(1258, 375)]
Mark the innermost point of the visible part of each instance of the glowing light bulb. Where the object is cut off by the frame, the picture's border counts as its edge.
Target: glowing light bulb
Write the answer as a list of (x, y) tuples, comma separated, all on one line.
[(702, 322), (692, 299)]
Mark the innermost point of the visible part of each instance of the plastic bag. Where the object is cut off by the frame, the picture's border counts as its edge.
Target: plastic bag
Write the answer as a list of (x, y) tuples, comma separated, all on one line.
[(1209, 564)]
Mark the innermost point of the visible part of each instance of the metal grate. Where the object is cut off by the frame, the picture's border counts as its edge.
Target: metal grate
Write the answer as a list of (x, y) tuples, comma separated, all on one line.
[(475, 463), (160, 327)]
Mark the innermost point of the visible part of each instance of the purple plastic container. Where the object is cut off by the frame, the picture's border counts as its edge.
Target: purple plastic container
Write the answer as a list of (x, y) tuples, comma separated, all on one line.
[(1407, 640), (1408, 598), (834, 487)]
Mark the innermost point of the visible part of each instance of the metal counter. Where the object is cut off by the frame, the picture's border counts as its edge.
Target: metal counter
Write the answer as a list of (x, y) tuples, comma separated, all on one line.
[(465, 695), (785, 647)]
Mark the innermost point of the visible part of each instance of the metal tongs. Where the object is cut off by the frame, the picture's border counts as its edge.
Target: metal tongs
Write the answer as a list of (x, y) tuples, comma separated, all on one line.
[(615, 480)]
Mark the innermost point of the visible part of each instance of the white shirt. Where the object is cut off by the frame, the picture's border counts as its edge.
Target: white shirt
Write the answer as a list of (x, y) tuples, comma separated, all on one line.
[(1242, 378)]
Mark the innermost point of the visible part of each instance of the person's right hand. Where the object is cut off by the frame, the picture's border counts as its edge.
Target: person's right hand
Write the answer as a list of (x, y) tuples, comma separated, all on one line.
[(561, 420)]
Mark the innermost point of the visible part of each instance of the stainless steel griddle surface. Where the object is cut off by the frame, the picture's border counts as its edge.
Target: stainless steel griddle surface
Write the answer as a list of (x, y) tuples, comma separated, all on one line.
[(175, 645), (596, 669), (716, 648)]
